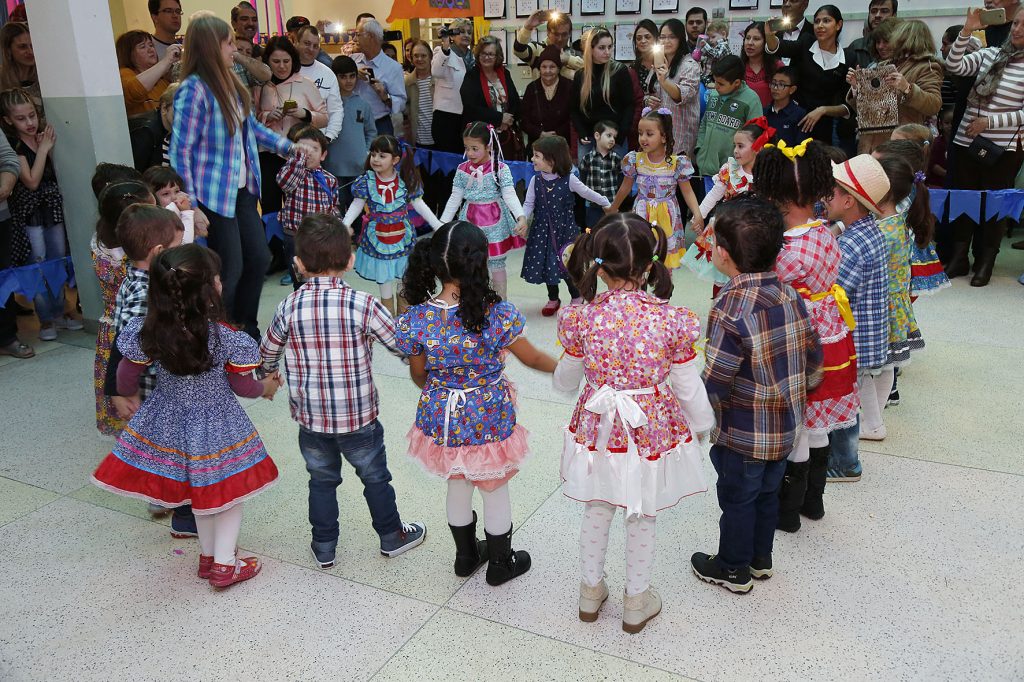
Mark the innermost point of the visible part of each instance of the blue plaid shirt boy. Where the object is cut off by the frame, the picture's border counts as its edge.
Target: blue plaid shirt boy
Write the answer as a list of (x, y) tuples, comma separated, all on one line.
[(864, 274), (131, 302)]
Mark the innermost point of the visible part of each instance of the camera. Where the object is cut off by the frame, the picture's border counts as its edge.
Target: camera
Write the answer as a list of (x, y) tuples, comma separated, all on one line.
[(448, 32)]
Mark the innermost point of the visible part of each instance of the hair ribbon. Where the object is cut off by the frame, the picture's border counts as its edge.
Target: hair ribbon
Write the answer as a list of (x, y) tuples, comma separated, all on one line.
[(664, 111), (762, 139), (599, 261), (791, 153)]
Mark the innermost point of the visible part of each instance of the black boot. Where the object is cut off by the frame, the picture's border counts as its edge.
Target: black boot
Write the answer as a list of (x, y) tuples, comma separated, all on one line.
[(505, 563), (470, 553), (958, 264), (814, 506), (791, 496), (983, 267)]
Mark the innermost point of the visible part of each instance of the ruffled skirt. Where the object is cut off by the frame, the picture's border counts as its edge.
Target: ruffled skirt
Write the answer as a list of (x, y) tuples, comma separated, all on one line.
[(835, 402), (488, 467), (926, 273)]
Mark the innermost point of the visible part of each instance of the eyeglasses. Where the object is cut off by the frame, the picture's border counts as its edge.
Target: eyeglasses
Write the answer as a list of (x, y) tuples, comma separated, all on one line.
[(492, 55), (778, 85), (171, 10)]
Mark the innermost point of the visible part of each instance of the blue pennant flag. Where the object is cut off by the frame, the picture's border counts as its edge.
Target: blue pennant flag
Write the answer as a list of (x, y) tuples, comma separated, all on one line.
[(8, 284), (55, 272), (938, 197), (444, 162), (964, 202), (30, 280), (273, 225), (521, 171)]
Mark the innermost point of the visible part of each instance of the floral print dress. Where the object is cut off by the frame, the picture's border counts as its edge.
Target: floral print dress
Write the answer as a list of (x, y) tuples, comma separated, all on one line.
[(656, 196), (110, 267), (904, 334)]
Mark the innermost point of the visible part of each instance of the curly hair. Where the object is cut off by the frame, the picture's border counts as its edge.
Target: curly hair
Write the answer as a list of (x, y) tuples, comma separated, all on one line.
[(800, 182), (902, 182), (664, 121), (183, 301), (113, 200), (624, 246), (457, 253), (389, 144)]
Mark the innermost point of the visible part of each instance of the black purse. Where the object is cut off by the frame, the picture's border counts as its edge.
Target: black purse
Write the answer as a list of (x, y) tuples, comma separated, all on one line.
[(985, 151)]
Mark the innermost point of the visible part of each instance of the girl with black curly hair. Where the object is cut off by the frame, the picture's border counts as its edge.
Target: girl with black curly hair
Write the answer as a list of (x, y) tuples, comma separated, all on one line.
[(466, 429)]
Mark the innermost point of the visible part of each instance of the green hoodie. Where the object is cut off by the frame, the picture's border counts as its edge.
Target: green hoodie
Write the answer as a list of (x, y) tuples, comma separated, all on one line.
[(723, 116)]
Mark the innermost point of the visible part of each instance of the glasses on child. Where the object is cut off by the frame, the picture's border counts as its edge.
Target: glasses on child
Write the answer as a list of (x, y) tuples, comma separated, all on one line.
[(778, 85)]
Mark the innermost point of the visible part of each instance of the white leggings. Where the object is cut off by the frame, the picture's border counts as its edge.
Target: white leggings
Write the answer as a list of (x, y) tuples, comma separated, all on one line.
[(497, 506), (499, 278), (597, 520), (387, 290), (218, 534), (874, 391)]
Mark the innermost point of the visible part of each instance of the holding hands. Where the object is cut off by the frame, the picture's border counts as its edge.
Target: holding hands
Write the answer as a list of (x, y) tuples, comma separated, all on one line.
[(271, 383), (522, 229)]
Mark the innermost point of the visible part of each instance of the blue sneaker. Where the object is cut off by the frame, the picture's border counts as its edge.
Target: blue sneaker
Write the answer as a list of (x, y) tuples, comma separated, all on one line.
[(183, 526), (401, 541), (1020, 279), (841, 476), (323, 556)]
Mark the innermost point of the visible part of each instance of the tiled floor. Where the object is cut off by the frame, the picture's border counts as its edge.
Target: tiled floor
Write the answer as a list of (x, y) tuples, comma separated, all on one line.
[(913, 574)]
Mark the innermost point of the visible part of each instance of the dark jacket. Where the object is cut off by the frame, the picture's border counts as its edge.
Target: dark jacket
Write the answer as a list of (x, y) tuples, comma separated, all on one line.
[(474, 102), (147, 134), (540, 114), (619, 109), (818, 87)]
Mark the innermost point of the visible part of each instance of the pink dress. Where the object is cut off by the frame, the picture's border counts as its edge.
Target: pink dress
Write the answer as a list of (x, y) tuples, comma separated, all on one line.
[(632, 440)]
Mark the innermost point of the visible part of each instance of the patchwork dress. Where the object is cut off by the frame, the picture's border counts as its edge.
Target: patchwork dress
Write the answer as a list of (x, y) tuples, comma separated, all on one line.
[(904, 334), (110, 267), (489, 201), (655, 201)]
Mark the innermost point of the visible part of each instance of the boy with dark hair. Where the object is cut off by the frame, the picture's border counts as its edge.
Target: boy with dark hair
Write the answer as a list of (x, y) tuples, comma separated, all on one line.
[(601, 169), (784, 114), (731, 105), (763, 357), (347, 154), (325, 330)]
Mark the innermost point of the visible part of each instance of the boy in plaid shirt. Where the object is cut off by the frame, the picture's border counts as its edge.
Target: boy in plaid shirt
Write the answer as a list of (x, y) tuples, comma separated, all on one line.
[(325, 330), (762, 359), (601, 169)]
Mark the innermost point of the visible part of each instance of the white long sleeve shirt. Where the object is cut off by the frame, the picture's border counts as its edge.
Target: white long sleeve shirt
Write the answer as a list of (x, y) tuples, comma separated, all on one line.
[(327, 83)]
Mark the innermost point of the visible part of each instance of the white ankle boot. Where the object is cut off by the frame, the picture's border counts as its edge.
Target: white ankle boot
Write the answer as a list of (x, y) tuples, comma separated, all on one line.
[(591, 600), (638, 609)]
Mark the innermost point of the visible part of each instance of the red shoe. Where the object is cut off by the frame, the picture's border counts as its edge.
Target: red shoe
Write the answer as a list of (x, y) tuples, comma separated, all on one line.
[(226, 575), (205, 566), (550, 308)]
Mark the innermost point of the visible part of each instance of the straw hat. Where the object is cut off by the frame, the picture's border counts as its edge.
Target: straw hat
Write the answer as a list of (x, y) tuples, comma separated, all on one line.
[(865, 180)]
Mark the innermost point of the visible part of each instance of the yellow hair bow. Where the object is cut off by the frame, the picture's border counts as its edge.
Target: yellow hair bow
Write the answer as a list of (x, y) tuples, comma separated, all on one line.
[(791, 152)]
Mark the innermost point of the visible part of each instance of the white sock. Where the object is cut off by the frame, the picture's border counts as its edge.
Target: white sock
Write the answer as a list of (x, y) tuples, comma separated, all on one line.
[(597, 520), (387, 290), (639, 554), (207, 533), (499, 281), (870, 410), (883, 386), (460, 502), (497, 511), (227, 526)]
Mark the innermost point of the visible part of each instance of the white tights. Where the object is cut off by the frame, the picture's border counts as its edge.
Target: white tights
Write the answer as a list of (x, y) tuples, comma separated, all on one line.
[(218, 534), (597, 520), (499, 281), (497, 506), (387, 290), (874, 391)]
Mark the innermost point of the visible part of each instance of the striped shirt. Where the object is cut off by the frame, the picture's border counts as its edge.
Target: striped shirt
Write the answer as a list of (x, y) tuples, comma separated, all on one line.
[(685, 112), (1005, 110), (424, 112), (325, 331)]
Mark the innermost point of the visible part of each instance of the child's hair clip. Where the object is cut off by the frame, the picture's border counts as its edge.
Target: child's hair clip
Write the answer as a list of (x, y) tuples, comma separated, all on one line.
[(588, 230), (654, 258), (599, 261)]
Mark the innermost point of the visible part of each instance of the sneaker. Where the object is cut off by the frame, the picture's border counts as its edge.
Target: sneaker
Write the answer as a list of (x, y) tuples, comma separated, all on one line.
[(894, 399), (637, 609), (761, 567), (72, 324), (707, 569), (323, 558), (550, 308), (286, 279), (401, 541), (184, 527), (157, 510), (48, 332), (591, 600), (841, 476), (577, 301), (877, 434)]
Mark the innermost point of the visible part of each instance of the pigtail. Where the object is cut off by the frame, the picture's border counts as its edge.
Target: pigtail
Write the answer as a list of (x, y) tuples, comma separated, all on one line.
[(419, 283), (920, 218), (113, 200), (799, 175), (659, 278), (581, 266), (408, 170)]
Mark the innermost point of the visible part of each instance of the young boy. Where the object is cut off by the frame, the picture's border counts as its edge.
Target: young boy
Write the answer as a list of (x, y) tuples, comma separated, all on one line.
[(325, 330), (346, 157), (732, 105), (863, 273), (601, 169), (784, 114), (763, 357), (165, 184), (710, 48)]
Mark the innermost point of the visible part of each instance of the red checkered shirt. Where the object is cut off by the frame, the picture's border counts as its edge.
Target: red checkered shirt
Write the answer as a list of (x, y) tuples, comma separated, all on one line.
[(809, 262), (305, 191), (326, 331)]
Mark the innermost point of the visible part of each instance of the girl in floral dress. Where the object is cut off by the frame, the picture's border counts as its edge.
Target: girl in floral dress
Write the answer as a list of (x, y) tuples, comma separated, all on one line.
[(483, 193), (632, 441), (466, 429), (657, 174)]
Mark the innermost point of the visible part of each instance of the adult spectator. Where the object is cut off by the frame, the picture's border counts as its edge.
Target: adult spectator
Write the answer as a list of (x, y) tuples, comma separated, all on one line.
[(150, 132), (678, 86), (645, 81), (759, 66), (821, 69), (559, 34), (862, 49), (696, 24), (407, 64), (993, 119), (547, 101), (246, 24), (490, 95), (214, 148), (381, 80), (351, 47), (144, 76), (996, 34), (601, 91), (880, 41), (17, 60), (390, 50), (308, 45), (294, 27), (419, 88), (166, 16), (9, 169), (451, 60), (795, 24), (918, 79)]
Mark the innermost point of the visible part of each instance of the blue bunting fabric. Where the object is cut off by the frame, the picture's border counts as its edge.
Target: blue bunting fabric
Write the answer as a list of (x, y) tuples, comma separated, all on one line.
[(36, 278)]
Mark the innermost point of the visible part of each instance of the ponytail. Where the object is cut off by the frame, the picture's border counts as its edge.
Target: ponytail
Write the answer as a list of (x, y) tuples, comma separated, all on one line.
[(407, 169), (920, 218), (659, 279)]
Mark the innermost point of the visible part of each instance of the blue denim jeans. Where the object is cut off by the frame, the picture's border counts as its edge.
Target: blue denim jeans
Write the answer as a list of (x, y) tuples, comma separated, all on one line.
[(364, 450), (845, 443), (748, 493), (47, 243)]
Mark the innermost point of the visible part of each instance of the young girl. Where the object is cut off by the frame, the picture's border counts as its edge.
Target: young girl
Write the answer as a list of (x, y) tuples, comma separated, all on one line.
[(191, 442), (554, 225), (658, 173), (390, 185), (466, 429), (632, 441), (36, 205), (732, 179), (484, 194), (795, 178)]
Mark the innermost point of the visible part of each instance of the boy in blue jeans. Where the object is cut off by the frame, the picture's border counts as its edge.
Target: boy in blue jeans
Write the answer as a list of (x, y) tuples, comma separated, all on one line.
[(762, 359), (325, 330)]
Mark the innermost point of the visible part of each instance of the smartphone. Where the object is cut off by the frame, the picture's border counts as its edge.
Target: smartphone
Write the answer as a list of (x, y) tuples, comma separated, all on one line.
[(370, 76), (992, 17), (780, 25), (288, 105), (392, 36)]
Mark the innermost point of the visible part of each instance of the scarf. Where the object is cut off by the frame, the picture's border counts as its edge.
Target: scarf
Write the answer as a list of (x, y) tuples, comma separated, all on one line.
[(987, 85), (467, 57), (486, 86)]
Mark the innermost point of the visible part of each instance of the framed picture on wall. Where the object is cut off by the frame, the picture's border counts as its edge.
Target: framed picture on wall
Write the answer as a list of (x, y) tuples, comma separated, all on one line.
[(525, 8), (591, 7), (563, 6), (627, 6), (665, 6), (742, 4), (624, 42), (775, 4), (494, 9)]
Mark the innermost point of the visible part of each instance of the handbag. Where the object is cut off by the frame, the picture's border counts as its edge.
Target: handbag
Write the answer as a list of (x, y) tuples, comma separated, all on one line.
[(985, 151)]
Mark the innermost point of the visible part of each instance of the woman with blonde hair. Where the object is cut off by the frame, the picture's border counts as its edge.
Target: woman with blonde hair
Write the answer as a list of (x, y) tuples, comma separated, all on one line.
[(17, 60), (450, 63), (489, 94), (214, 147), (144, 76), (601, 91)]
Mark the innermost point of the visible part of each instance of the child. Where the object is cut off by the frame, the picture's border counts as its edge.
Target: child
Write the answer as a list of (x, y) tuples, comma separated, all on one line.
[(165, 184), (347, 154), (938, 163), (794, 179), (390, 185), (601, 169), (484, 182), (630, 348), (711, 48), (191, 442), (36, 206), (784, 114), (732, 104), (325, 330), (863, 274), (762, 359), (466, 429), (554, 226), (658, 173), (732, 180)]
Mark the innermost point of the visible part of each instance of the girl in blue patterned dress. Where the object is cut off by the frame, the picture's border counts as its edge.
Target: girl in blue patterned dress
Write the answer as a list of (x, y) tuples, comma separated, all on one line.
[(390, 185), (191, 442), (466, 429)]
